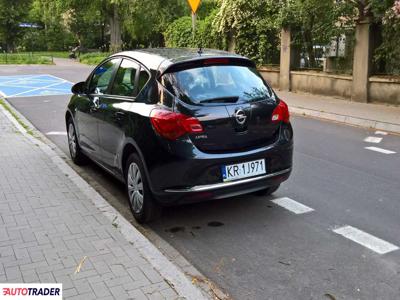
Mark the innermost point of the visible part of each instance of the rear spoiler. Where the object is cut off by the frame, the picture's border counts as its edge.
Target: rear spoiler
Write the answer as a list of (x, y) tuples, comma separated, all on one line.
[(204, 62)]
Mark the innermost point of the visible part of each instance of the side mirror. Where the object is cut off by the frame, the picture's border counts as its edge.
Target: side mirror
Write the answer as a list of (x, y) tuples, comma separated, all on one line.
[(79, 88)]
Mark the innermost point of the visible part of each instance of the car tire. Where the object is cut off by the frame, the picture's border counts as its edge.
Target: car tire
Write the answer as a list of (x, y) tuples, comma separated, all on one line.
[(267, 191), (141, 202), (75, 151)]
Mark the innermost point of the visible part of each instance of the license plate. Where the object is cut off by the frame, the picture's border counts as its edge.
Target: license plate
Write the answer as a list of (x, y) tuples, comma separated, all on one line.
[(243, 170)]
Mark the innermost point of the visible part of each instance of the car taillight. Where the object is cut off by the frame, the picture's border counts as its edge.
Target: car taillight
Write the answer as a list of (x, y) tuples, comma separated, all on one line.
[(281, 113), (173, 125)]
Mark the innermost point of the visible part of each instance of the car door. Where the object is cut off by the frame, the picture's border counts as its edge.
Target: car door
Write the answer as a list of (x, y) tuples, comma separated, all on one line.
[(114, 112), (88, 113)]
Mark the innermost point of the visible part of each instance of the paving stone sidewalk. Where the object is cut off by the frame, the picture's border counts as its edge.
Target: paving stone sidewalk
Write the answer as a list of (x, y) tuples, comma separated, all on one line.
[(48, 226)]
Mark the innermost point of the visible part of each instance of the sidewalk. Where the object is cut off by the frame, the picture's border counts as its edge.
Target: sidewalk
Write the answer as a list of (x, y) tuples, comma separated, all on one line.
[(376, 116), (49, 225)]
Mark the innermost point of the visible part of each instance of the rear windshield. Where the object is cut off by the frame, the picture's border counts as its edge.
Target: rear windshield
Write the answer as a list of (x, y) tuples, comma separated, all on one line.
[(217, 84)]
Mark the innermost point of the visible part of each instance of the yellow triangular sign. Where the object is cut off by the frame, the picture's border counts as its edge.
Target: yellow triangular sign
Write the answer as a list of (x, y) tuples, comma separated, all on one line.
[(194, 5)]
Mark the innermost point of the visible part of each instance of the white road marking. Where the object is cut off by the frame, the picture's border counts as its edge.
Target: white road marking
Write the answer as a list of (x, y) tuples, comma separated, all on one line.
[(59, 78), (39, 88), (292, 205), (381, 132), (57, 133), (380, 150), (365, 239), (373, 139)]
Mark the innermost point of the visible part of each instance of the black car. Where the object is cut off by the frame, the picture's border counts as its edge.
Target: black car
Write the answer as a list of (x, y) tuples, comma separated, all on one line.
[(181, 126)]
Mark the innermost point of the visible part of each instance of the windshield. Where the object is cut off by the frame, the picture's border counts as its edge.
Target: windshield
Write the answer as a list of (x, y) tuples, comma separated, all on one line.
[(217, 84)]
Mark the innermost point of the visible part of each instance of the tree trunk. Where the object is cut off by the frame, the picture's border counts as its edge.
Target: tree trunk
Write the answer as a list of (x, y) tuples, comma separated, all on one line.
[(231, 41), (310, 49), (115, 31)]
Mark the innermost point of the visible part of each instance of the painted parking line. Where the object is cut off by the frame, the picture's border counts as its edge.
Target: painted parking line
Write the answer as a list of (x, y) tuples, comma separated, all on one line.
[(373, 139), (33, 85), (380, 150), (64, 133), (365, 239), (293, 206), (381, 132)]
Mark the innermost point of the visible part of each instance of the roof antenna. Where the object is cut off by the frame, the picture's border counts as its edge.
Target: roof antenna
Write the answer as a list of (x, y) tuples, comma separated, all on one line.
[(200, 52)]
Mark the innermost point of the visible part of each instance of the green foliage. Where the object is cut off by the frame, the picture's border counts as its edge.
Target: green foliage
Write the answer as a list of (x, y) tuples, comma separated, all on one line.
[(251, 25), (25, 58), (313, 24), (57, 54), (248, 27), (180, 34), (12, 14), (145, 21), (388, 53)]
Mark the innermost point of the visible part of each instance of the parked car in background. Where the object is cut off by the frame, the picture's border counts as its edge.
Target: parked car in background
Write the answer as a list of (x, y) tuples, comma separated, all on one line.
[(180, 126)]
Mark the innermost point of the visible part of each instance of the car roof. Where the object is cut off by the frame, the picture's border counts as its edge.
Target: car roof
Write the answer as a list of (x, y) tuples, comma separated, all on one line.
[(159, 59)]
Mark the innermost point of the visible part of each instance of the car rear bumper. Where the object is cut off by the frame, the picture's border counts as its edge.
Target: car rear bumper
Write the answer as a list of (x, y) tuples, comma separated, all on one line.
[(224, 185), (222, 190)]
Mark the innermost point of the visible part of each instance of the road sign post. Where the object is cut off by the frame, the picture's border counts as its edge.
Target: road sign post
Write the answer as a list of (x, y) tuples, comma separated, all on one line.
[(194, 5), (194, 17)]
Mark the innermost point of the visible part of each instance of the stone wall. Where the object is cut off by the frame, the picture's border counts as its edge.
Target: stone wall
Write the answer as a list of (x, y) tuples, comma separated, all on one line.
[(271, 76), (380, 89), (321, 83), (384, 90)]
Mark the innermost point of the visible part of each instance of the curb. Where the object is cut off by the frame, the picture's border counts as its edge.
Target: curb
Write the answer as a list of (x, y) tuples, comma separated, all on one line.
[(349, 120), (186, 285)]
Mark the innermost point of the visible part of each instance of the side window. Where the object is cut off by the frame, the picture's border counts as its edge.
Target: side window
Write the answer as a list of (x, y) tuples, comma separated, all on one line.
[(102, 77), (124, 82), (143, 79)]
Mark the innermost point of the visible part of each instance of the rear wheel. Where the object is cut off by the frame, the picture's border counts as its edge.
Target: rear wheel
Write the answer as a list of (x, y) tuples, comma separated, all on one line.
[(144, 208), (267, 191), (75, 151)]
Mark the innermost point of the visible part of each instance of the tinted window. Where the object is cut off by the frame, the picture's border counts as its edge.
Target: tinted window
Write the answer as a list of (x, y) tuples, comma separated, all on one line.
[(124, 82), (143, 78), (102, 77), (213, 84)]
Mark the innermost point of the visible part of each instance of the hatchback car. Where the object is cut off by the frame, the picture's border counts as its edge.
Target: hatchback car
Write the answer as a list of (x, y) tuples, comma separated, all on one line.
[(180, 126)]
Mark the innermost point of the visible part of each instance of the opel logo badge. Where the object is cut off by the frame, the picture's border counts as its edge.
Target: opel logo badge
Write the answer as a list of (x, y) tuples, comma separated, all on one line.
[(240, 116)]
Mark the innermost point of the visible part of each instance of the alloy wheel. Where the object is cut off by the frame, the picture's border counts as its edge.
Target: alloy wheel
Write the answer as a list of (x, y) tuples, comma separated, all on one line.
[(135, 188), (72, 139)]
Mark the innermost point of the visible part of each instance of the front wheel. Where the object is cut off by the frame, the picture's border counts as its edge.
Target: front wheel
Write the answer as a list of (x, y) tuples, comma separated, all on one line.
[(268, 191), (144, 208)]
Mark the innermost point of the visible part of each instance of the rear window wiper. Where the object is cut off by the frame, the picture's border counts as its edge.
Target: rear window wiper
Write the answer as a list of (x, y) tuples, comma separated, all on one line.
[(221, 100)]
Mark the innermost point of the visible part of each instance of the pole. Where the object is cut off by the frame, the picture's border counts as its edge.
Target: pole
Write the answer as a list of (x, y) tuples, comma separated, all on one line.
[(194, 17)]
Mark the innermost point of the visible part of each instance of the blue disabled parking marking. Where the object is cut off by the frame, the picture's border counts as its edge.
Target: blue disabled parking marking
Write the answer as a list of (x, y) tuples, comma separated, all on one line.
[(33, 85)]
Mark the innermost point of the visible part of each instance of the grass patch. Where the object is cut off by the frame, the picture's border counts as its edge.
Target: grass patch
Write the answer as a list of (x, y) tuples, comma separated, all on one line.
[(93, 58), (25, 58), (57, 54), (7, 108)]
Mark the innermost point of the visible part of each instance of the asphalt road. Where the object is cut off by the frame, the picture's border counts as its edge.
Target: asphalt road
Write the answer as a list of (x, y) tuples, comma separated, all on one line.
[(252, 247)]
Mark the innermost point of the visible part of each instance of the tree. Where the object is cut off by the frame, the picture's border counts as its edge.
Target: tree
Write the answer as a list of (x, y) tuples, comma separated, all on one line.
[(249, 28), (180, 34), (145, 22), (313, 23), (388, 53), (13, 12)]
